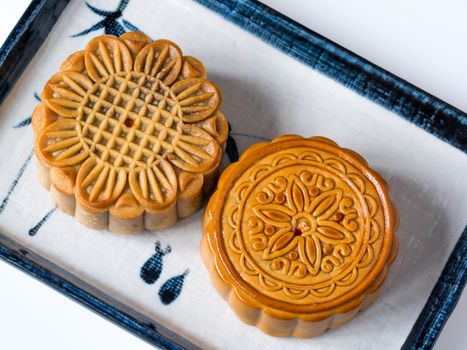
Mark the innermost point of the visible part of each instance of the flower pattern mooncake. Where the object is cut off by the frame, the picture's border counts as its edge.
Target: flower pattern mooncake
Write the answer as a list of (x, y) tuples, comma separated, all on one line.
[(129, 134), (299, 235)]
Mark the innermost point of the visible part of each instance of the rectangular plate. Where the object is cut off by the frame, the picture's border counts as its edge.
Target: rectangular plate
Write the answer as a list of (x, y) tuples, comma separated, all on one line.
[(266, 93)]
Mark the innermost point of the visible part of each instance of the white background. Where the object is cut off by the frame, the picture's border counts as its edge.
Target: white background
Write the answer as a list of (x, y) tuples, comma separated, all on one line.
[(423, 42)]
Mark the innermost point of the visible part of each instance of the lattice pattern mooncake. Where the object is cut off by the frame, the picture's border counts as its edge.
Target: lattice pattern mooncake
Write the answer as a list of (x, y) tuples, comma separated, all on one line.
[(129, 135), (299, 235)]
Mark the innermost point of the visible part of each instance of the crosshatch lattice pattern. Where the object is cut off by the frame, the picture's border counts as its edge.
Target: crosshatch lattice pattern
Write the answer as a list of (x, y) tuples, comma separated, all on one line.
[(129, 118)]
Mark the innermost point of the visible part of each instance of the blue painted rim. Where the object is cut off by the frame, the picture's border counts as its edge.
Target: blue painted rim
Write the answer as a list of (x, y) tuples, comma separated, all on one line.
[(417, 106), (442, 301), (25, 39), (367, 79)]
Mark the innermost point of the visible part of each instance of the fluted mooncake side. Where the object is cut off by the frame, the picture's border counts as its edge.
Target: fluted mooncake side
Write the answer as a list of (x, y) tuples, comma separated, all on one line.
[(129, 134)]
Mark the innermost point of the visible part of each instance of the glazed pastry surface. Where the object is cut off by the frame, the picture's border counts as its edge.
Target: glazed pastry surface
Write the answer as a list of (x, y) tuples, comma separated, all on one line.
[(299, 235), (129, 134)]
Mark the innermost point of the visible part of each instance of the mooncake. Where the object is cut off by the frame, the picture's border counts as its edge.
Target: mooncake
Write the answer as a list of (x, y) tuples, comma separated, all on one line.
[(129, 135), (299, 235)]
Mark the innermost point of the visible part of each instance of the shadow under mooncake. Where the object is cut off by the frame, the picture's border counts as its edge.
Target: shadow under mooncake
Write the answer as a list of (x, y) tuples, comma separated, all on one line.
[(129, 135)]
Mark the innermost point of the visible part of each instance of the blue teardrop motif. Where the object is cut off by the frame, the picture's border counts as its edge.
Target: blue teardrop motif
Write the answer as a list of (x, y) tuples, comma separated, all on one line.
[(130, 26), (172, 288), (25, 122), (33, 231), (112, 27), (152, 268), (20, 173), (109, 21), (231, 147)]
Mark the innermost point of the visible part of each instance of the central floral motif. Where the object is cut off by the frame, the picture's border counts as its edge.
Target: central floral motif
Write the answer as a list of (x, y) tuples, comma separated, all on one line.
[(305, 223)]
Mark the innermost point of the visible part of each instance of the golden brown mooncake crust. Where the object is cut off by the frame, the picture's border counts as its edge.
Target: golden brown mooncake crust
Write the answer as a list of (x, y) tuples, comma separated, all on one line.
[(299, 235), (129, 134)]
